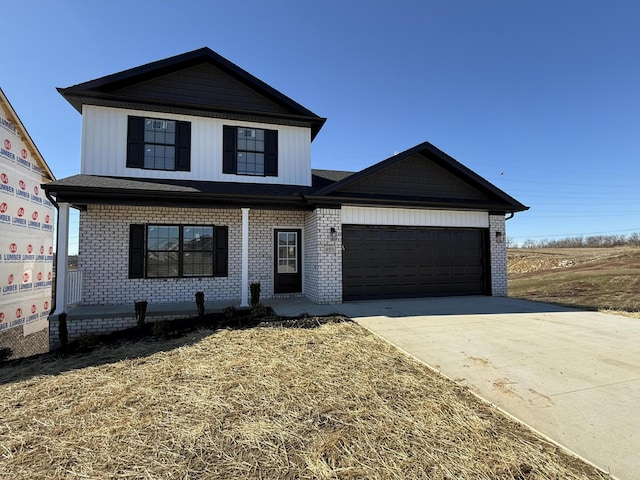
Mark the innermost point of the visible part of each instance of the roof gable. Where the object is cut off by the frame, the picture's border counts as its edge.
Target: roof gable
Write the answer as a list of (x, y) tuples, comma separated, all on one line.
[(206, 85), (414, 175), (422, 174), (200, 81)]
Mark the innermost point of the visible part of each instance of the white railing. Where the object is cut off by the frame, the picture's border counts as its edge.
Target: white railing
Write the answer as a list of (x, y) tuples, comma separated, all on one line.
[(74, 287)]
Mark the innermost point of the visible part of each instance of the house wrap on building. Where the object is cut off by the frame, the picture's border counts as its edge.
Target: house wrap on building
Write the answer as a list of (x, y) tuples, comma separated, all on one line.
[(196, 176), (26, 239)]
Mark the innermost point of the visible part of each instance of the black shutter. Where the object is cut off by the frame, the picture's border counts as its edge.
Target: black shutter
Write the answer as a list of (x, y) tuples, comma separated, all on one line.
[(229, 143), (271, 153), (221, 253), (136, 251), (183, 146), (135, 142)]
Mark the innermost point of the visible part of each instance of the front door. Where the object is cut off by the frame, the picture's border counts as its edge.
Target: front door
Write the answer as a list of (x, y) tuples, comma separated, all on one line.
[(288, 259)]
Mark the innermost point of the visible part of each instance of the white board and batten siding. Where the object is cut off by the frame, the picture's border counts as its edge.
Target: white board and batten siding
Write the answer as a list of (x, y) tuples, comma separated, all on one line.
[(104, 148), (411, 217)]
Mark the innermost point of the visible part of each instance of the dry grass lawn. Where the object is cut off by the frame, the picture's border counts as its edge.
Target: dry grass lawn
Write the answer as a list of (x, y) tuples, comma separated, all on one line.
[(333, 402), (605, 279)]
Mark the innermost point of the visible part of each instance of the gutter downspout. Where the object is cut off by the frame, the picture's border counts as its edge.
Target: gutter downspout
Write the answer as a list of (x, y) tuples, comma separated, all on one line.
[(59, 293), (55, 288)]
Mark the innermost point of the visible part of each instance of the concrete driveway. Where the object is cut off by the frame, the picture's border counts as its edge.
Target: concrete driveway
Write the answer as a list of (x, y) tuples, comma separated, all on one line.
[(572, 375)]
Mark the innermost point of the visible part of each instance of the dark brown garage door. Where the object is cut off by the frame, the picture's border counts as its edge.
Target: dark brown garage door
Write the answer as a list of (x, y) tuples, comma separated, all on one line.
[(403, 262)]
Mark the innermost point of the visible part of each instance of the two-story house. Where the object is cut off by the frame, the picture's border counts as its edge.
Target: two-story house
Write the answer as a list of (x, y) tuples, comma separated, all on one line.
[(196, 176)]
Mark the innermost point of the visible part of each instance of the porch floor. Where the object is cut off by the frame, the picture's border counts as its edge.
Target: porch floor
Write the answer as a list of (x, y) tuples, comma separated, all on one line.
[(287, 307)]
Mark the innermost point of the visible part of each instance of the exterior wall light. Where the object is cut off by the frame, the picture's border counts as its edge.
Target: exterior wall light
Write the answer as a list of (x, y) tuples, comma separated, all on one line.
[(499, 237), (334, 234)]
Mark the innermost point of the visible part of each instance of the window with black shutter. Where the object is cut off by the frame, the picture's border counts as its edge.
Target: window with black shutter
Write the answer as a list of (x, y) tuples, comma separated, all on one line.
[(250, 151), (158, 144), (169, 251)]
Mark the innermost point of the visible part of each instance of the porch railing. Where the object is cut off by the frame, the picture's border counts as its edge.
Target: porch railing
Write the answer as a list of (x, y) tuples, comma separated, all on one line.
[(74, 287)]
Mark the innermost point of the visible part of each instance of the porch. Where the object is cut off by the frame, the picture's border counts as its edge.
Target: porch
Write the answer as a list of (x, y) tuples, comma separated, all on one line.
[(306, 249)]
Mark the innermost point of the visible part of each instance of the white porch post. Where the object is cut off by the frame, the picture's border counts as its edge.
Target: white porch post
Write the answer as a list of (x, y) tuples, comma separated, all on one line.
[(62, 256), (244, 301)]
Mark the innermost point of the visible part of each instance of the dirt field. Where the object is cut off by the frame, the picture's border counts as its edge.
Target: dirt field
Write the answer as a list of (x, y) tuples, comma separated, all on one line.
[(332, 402), (594, 278)]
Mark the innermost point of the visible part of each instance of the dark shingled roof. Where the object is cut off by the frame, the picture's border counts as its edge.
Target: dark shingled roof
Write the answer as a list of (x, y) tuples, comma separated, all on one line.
[(325, 178), (493, 199), (113, 90), (328, 188), (320, 179), (83, 189)]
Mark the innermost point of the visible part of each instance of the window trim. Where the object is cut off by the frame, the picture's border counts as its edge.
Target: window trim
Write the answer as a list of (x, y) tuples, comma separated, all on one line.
[(136, 144), (230, 151), (180, 251), (138, 250), (160, 144), (147, 251)]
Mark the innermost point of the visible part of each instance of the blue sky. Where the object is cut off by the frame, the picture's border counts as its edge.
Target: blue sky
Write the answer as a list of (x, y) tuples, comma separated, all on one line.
[(540, 98)]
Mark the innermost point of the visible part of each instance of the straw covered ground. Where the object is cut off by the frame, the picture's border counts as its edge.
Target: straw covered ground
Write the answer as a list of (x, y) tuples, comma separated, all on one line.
[(333, 402)]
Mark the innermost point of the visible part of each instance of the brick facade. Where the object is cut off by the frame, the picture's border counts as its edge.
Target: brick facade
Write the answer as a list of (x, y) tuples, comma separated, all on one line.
[(323, 256), (103, 256), (104, 253), (104, 260), (498, 255), (104, 246), (261, 247)]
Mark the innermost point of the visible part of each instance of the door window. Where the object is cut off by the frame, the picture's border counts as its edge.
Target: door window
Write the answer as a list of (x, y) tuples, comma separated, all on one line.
[(287, 252)]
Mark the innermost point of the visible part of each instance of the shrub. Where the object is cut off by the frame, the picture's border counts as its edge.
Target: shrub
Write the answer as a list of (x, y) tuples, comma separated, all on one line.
[(259, 310), (141, 312), (255, 293), (229, 312), (88, 341), (63, 331), (160, 327), (200, 303)]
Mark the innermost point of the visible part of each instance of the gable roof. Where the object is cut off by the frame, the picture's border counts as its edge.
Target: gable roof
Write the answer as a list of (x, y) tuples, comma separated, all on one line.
[(199, 82), (422, 175), (24, 134)]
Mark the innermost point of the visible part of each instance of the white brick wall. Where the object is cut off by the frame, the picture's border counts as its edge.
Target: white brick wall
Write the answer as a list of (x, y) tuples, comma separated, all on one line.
[(310, 260), (323, 258), (104, 253), (104, 256), (262, 224), (498, 256)]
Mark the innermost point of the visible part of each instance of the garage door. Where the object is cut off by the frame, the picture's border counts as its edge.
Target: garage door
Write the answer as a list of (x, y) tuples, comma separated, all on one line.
[(403, 262)]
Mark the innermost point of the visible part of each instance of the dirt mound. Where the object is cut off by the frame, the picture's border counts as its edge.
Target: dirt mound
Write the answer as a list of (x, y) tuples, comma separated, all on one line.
[(592, 278), (536, 260)]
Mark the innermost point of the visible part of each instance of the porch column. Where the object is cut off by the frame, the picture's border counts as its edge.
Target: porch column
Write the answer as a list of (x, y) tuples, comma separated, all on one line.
[(244, 301), (62, 257)]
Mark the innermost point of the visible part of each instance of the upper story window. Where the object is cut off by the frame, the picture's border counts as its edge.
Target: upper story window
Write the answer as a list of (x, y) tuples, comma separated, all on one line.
[(158, 144), (250, 151)]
